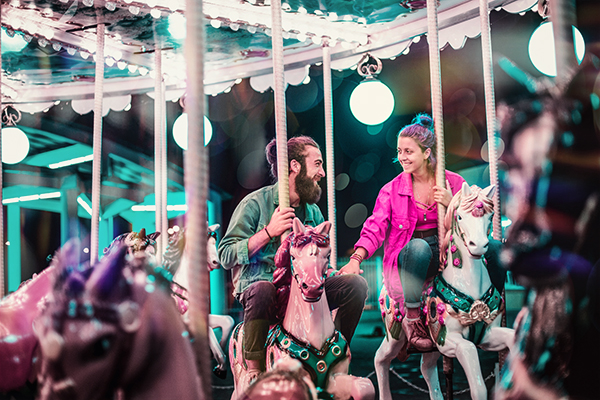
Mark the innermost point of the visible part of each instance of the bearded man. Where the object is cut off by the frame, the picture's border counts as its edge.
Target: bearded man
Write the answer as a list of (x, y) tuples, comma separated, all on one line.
[(253, 236)]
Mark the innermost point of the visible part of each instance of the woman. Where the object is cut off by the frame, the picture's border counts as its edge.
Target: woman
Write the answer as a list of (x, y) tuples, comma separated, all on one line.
[(404, 220)]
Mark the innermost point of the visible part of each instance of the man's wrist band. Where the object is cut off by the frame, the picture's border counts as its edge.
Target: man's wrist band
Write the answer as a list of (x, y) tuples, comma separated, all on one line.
[(357, 257), (268, 234)]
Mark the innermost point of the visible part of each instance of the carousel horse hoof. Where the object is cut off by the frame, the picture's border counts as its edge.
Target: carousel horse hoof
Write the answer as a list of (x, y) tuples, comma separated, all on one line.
[(220, 373), (417, 336)]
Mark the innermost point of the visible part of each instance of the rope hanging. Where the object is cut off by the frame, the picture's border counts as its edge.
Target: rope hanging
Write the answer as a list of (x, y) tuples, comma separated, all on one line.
[(280, 107), (97, 143), (490, 112), (436, 105), (196, 190), (160, 155), (329, 148)]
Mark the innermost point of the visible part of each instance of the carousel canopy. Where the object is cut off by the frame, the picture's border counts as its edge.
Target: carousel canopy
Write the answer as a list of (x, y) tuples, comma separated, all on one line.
[(58, 40)]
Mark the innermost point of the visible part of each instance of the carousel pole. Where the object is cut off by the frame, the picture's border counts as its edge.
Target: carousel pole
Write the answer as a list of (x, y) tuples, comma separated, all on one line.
[(160, 162), (196, 192), (562, 15), (97, 143), (490, 112), (438, 121), (2, 266), (280, 107), (329, 148), (436, 104)]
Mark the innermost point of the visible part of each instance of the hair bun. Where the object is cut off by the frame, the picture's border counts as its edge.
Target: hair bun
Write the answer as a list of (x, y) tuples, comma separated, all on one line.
[(423, 119)]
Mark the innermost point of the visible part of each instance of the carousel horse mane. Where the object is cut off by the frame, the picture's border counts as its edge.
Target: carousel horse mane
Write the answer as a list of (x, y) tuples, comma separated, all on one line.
[(117, 329), (476, 203), (282, 276)]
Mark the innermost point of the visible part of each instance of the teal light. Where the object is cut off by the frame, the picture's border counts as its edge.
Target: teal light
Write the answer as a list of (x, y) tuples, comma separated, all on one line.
[(543, 53), (15, 145), (372, 102), (14, 43), (180, 131)]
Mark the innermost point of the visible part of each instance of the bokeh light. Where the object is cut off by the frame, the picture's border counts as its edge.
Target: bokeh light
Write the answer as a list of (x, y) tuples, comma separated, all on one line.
[(542, 51), (15, 145), (342, 181), (355, 215), (372, 102), (177, 26), (499, 149), (180, 131), (14, 43)]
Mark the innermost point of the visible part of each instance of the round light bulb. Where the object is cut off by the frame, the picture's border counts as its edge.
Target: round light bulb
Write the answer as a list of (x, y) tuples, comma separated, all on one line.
[(372, 102), (543, 53), (180, 131), (15, 145)]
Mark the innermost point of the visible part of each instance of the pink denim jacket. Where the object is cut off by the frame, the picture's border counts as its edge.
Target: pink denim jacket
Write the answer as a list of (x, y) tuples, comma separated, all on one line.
[(392, 224)]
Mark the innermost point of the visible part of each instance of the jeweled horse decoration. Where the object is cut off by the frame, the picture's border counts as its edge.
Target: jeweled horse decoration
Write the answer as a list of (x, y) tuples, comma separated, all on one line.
[(19, 350), (307, 332), (176, 262), (461, 307), (116, 331)]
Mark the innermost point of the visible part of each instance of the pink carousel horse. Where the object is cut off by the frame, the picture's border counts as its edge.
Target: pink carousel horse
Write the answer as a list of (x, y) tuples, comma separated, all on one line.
[(461, 306), (176, 262), (116, 331), (307, 332)]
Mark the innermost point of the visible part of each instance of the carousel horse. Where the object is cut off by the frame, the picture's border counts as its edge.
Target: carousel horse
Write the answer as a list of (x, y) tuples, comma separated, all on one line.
[(176, 262), (461, 306), (19, 352), (113, 329), (307, 332)]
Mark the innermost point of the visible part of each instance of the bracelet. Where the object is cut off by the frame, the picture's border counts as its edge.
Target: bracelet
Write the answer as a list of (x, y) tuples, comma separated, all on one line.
[(268, 234), (357, 257)]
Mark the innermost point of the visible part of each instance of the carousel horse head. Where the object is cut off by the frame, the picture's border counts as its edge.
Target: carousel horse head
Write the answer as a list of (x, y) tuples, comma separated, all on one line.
[(136, 242), (114, 328), (468, 220), (174, 256), (304, 256)]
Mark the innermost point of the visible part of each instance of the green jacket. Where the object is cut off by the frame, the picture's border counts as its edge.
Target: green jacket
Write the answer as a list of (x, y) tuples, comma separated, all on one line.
[(250, 216)]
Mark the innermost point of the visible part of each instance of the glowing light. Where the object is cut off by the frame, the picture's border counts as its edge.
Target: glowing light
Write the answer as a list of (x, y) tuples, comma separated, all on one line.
[(542, 51), (73, 161), (15, 145), (180, 131), (372, 102), (15, 42), (173, 207), (177, 25), (84, 204)]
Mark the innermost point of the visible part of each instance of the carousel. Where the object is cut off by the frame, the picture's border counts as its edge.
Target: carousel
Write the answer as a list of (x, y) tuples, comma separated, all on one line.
[(112, 170)]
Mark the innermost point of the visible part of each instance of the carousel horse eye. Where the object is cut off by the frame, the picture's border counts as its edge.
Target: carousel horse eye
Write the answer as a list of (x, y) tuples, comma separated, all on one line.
[(99, 348)]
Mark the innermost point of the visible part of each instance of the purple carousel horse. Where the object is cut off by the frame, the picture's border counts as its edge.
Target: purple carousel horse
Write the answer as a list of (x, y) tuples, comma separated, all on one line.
[(19, 351), (116, 331), (307, 332), (461, 306)]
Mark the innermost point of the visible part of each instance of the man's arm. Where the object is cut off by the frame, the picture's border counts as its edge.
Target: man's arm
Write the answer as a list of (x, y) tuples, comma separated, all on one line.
[(281, 221)]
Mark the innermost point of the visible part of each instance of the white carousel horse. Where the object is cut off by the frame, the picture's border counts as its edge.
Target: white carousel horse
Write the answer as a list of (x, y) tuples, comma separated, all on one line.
[(307, 332), (177, 263), (461, 304)]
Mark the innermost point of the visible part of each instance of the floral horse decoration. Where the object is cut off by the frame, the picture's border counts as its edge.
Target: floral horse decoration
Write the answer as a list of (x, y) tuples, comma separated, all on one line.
[(461, 307), (307, 332)]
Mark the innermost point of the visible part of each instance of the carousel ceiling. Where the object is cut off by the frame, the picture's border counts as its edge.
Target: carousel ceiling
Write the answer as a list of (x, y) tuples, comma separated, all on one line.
[(59, 36), (55, 63)]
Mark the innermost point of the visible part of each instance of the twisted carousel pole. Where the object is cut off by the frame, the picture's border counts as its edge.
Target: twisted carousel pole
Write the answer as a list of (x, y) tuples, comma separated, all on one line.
[(2, 267), (280, 106), (160, 156), (490, 112), (329, 149), (196, 191), (97, 143), (562, 15)]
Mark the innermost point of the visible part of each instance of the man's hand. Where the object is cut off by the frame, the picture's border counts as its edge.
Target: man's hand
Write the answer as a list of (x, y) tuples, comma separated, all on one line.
[(353, 267), (281, 221)]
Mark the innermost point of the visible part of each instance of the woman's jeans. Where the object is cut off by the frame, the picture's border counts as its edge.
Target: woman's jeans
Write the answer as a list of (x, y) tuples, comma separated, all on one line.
[(419, 260)]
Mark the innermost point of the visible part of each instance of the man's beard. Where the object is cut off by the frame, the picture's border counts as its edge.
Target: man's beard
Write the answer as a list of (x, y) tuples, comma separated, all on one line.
[(308, 190)]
